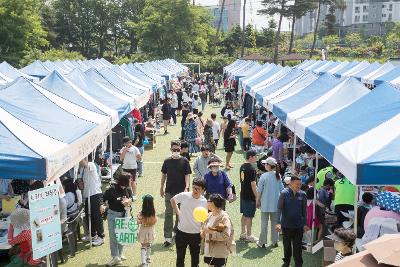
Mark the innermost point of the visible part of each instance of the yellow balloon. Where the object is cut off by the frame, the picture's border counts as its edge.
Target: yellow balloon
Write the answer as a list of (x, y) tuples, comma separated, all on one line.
[(200, 214)]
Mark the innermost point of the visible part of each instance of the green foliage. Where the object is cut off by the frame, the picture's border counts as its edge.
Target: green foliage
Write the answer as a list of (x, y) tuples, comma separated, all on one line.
[(353, 39), (305, 42), (250, 37), (52, 55), (331, 40), (393, 39), (20, 29)]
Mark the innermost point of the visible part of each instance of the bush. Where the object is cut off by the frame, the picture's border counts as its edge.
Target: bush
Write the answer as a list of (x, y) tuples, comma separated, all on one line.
[(52, 55)]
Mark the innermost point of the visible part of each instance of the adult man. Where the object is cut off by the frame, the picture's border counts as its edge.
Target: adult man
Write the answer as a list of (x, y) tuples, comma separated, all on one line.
[(200, 166), (92, 189), (292, 220), (130, 155), (174, 105), (175, 177), (248, 194), (216, 128), (188, 232), (166, 110)]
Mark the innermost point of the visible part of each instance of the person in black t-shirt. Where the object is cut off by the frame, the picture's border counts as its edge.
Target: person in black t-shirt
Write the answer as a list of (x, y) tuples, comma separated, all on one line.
[(248, 195), (138, 142), (175, 177), (118, 198), (166, 110)]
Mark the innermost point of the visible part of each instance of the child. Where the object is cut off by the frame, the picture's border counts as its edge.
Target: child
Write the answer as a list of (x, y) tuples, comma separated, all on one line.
[(246, 134), (318, 204), (147, 219), (19, 219), (362, 211), (344, 242)]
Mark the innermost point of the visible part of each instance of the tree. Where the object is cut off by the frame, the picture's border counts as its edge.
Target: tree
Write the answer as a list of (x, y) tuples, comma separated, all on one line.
[(265, 38), (393, 39), (165, 30), (299, 9), (243, 29), (330, 40), (353, 39), (334, 4), (20, 29), (271, 8), (250, 36)]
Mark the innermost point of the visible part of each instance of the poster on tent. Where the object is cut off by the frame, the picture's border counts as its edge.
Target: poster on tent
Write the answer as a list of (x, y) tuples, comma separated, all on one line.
[(44, 216)]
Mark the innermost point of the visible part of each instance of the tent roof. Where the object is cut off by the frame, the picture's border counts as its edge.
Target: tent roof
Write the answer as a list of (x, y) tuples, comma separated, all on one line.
[(362, 149), (36, 69)]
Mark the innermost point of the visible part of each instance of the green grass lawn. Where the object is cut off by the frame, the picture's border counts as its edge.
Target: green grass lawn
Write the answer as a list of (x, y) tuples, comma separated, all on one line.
[(247, 253)]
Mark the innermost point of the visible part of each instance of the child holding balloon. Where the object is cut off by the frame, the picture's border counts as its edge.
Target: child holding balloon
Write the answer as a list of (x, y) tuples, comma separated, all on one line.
[(147, 219)]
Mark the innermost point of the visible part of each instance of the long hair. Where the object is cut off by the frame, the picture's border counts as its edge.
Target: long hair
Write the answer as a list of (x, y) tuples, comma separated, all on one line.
[(139, 129), (277, 170), (70, 186), (148, 207)]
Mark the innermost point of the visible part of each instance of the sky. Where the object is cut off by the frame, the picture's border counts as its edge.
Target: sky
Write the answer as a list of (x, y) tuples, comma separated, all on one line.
[(251, 15)]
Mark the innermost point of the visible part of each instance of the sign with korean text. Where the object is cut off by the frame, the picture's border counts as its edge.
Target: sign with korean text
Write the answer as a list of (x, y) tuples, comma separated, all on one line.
[(44, 216)]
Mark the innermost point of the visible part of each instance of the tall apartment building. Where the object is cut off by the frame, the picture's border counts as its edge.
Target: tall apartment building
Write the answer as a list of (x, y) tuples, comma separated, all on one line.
[(234, 10), (369, 16), (216, 13)]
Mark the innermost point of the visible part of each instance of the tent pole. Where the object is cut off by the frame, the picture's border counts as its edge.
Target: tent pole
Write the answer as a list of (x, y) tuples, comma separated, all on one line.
[(111, 156), (355, 209), (314, 201), (90, 216), (294, 152)]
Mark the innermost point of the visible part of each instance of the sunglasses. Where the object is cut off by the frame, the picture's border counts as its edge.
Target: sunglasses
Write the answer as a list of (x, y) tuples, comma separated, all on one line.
[(176, 150)]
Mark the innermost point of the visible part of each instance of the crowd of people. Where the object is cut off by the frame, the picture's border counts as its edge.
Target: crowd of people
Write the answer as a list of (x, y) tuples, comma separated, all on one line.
[(292, 197)]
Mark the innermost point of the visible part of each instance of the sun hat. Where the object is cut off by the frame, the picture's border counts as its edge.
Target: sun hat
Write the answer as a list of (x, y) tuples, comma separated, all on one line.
[(270, 161), (214, 164), (287, 179)]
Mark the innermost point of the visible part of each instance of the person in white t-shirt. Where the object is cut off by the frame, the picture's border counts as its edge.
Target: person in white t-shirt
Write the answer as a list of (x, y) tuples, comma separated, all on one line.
[(130, 155), (174, 106), (188, 232), (216, 128), (92, 188)]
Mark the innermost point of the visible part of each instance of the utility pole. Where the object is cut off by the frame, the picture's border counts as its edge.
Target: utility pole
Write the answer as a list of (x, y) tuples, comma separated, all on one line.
[(194, 2), (244, 28)]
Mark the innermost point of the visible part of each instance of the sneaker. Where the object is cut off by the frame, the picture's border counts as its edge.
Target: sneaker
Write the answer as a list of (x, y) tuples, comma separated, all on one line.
[(168, 242), (97, 241), (140, 175), (251, 239), (260, 245), (274, 245), (148, 260), (86, 238), (114, 261), (134, 198), (123, 258), (243, 237)]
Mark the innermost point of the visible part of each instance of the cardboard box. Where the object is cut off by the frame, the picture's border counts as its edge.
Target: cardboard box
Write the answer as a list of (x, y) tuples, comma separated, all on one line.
[(329, 252)]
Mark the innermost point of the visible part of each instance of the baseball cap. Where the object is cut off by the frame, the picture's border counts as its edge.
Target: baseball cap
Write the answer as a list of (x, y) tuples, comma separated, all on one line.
[(270, 161)]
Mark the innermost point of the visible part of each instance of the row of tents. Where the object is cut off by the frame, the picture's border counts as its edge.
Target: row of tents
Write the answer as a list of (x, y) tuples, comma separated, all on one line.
[(356, 129), (53, 114)]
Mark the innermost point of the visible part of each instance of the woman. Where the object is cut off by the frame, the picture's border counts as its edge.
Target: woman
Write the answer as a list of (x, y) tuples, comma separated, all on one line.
[(180, 100), (259, 137), (218, 181), (71, 198), (138, 142), (191, 133), (195, 103), (200, 124), (185, 113), (277, 149), (209, 136), (217, 233), (166, 111), (229, 142), (268, 190), (118, 198)]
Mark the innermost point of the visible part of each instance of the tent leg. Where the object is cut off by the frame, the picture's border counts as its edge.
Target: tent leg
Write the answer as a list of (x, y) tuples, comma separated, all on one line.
[(314, 200), (356, 209), (111, 157), (294, 152)]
